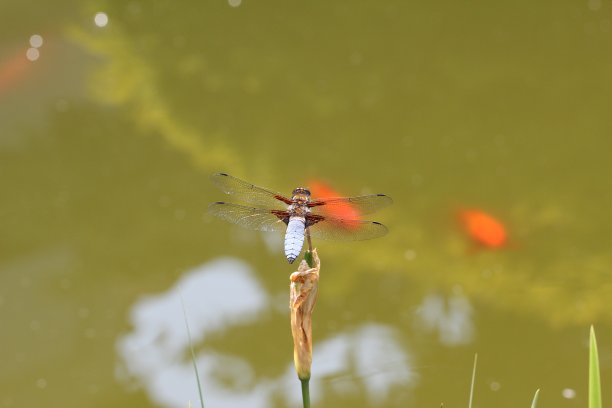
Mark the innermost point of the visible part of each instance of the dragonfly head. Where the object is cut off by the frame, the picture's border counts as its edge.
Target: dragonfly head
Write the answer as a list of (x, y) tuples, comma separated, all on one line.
[(301, 195)]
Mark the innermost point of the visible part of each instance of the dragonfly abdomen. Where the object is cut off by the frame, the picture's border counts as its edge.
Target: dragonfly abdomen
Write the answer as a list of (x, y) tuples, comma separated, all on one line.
[(294, 238)]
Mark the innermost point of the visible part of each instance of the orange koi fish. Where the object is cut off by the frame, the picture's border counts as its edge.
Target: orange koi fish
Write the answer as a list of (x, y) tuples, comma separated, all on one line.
[(483, 228), (13, 70)]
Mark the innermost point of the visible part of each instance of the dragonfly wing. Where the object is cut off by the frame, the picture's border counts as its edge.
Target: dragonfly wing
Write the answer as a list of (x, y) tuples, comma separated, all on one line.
[(340, 229), (248, 217), (363, 204), (248, 192)]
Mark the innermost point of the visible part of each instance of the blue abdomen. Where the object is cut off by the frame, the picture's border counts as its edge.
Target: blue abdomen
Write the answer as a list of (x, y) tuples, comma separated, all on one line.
[(294, 238)]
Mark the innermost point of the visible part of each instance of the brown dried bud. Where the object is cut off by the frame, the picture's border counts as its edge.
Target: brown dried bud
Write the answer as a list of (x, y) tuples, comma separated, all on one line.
[(303, 292)]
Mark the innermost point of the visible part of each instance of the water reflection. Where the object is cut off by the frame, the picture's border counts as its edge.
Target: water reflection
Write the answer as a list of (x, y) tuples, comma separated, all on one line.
[(369, 358), (217, 295), (450, 316), (222, 295), (129, 81)]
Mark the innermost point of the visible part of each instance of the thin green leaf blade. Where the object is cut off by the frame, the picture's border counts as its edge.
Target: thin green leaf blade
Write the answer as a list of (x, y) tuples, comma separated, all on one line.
[(193, 357), (535, 398), (594, 380), (473, 380)]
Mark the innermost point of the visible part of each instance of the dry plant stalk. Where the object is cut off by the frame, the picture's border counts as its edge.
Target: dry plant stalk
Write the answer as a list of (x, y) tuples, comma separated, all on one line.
[(303, 292)]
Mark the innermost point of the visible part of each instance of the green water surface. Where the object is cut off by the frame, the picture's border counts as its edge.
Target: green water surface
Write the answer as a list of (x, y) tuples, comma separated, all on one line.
[(108, 139)]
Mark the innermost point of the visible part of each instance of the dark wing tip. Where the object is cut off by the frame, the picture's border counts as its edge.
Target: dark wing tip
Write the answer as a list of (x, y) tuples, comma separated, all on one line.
[(386, 196), (220, 174), (214, 208), (384, 230)]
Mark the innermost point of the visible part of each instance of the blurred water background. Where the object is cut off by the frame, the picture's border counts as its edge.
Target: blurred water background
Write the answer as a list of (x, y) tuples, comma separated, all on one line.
[(114, 113)]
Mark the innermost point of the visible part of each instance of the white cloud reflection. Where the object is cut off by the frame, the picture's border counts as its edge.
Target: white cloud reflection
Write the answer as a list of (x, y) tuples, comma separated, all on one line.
[(451, 317), (219, 294), (223, 294), (369, 358)]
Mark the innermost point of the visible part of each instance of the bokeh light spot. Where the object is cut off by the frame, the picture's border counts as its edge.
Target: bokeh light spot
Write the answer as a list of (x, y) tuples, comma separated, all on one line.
[(32, 54), (101, 19), (36, 41), (568, 393)]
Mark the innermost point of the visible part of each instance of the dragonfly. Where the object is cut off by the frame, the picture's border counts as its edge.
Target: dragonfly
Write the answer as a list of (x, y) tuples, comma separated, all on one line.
[(298, 215)]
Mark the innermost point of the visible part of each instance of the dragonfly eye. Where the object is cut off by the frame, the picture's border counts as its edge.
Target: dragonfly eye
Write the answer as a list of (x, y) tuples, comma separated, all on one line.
[(301, 191)]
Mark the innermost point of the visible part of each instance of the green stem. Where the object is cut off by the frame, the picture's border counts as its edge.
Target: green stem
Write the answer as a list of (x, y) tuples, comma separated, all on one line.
[(308, 258), (306, 392), (308, 253)]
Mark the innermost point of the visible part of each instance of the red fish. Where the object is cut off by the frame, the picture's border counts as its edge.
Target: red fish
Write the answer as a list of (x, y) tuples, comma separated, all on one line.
[(321, 190), (13, 71), (483, 228)]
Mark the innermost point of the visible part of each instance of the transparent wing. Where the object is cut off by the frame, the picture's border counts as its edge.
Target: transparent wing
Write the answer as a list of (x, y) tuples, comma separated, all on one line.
[(248, 217), (339, 229), (362, 204), (248, 192)]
